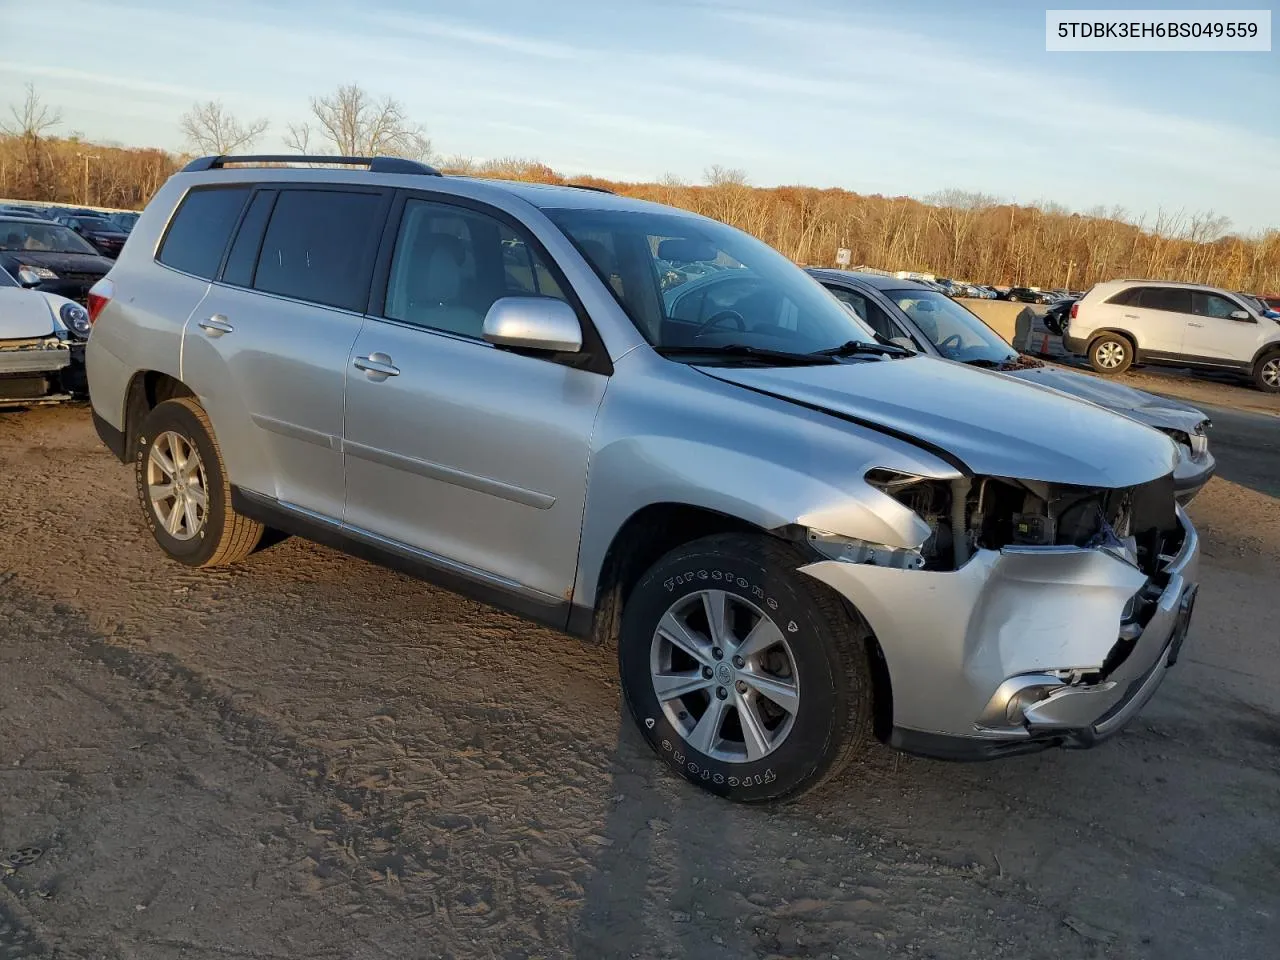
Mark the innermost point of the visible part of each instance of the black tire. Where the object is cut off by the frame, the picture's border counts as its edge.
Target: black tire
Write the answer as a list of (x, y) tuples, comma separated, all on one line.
[(1014, 299), (1266, 373), (829, 645), (1104, 351), (224, 536)]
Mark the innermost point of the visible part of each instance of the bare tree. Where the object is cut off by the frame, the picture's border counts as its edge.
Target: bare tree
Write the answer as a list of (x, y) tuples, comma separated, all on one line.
[(359, 126), (211, 128), (719, 176), (32, 119), (298, 137)]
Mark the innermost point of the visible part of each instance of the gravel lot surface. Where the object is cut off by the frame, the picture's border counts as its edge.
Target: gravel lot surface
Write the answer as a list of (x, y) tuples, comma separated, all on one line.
[(308, 756)]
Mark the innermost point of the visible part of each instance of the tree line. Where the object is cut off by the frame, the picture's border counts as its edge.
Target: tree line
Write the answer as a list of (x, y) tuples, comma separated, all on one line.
[(954, 233)]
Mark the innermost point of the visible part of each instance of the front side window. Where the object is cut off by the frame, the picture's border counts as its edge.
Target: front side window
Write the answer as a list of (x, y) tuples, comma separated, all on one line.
[(1212, 305), (200, 229), (452, 263), (320, 246), (687, 282), (957, 333), (868, 312)]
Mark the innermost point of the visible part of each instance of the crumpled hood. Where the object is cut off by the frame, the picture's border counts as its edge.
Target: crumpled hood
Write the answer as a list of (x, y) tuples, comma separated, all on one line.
[(1152, 410), (24, 314), (995, 425)]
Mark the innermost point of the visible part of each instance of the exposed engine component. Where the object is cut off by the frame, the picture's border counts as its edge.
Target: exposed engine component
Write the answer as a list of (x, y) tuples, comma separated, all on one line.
[(1137, 524)]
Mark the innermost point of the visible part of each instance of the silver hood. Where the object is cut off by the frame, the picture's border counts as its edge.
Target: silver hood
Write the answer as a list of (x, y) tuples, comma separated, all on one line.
[(1154, 411), (995, 425), (24, 314)]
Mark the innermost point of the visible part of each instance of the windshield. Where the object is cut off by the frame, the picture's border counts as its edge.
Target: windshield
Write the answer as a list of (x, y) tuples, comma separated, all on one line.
[(687, 282), (41, 238), (97, 223), (957, 333)]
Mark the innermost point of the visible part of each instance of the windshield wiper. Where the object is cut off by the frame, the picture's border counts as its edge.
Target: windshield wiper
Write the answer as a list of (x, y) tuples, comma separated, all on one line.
[(851, 348), (745, 351)]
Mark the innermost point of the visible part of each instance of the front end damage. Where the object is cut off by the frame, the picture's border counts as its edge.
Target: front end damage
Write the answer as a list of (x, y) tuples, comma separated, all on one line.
[(1031, 614), (36, 370)]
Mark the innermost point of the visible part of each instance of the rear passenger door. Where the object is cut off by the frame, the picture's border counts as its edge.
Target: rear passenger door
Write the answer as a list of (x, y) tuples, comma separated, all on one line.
[(471, 454), (267, 349), (1158, 317)]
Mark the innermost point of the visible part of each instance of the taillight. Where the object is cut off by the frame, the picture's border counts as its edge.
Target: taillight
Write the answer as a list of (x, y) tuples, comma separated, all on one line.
[(1075, 309), (100, 295)]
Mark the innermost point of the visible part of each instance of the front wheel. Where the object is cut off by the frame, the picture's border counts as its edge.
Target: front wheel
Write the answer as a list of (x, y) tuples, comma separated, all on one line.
[(1266, 373), (746, 677)]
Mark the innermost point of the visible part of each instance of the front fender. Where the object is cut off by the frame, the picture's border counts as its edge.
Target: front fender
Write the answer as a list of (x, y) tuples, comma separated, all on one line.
[(670, 434)]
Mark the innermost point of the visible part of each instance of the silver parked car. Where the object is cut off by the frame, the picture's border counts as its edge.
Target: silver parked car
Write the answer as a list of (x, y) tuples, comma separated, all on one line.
[(799, 538), (906, 312)]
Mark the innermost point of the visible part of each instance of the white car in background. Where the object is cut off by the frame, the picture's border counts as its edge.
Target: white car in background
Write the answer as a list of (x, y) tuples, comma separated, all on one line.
[(42, 339), (1123, 322)]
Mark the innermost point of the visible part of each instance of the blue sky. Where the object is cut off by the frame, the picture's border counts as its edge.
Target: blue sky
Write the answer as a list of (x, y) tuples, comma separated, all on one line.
[(888, 96)]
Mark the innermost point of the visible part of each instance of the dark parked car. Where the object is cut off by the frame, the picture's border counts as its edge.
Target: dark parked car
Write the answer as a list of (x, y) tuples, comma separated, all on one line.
[(1058, 314), (124, 219), (1027, 295), (907, 314), (50, 257), (106, 235)]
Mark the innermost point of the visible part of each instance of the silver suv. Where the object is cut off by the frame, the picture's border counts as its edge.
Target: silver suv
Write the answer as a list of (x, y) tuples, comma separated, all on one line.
[(645, 427), (1123, 322)]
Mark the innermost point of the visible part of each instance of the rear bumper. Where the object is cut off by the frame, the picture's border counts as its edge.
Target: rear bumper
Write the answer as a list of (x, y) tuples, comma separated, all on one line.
[(1076, 345), (1021, 649)]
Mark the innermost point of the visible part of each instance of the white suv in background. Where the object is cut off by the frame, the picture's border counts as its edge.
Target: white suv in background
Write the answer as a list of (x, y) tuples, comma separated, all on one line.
[(1122, 322)]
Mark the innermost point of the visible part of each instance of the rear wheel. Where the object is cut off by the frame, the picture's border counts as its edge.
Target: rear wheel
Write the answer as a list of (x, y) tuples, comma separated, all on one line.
[(746, 677), (184, 490), (1266, 373), (1111, 353)]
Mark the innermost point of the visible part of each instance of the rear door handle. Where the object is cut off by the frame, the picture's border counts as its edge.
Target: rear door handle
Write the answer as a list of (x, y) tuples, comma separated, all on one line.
[(377, 366), (216, 325), (1131, 316), (1190, 324)]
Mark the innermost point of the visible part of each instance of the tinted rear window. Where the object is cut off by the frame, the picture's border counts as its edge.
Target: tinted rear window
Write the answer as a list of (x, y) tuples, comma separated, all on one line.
[(320, 246), (244, 251), (200, 230), (1126, 297), (1173, 299)]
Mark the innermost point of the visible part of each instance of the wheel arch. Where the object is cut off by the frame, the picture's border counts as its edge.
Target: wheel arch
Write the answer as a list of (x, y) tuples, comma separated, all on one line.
[(1264, 351), (147, 389)]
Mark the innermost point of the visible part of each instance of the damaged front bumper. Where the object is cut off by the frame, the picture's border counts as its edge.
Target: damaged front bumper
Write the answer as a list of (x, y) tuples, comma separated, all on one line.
[(40, 370), (1024, 647)]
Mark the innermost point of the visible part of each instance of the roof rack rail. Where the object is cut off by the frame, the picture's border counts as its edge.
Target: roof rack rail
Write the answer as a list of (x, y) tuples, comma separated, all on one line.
[(374, 164), (587, 186)]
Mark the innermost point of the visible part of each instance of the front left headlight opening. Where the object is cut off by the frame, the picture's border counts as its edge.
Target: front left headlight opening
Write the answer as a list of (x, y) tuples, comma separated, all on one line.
[(76, 319)]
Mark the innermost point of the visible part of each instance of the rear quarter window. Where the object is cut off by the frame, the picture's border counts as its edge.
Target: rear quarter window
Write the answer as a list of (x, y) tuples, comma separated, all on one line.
[(200, 229)]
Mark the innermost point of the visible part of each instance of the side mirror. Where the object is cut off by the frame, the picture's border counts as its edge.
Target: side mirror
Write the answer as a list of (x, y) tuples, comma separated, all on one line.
[(1240, 315), (28, 280), (533, 323)]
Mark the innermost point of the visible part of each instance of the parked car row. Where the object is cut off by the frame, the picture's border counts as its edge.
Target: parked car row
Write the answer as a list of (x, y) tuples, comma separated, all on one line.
[(801, 530), (105, 231), (50, 257), (42, 338)]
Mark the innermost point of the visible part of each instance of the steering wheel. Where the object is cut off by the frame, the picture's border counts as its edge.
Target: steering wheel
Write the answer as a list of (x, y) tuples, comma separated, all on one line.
[(952, 342), (719, 318)]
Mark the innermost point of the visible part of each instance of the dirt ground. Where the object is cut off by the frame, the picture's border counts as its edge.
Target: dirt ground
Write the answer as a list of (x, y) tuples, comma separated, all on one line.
[(309, 756)]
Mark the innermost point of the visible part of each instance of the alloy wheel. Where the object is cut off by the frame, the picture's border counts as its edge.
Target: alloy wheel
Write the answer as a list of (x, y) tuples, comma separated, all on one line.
[(177, 485), (1271, 372), (1110, 354), (725, 676)]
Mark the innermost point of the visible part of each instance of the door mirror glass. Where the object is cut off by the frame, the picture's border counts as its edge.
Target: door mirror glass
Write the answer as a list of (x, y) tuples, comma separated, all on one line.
[(1240, 315), (533, 323)]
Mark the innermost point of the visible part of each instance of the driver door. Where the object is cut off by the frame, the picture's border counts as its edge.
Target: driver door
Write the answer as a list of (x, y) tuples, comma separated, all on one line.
[(1214, 336)]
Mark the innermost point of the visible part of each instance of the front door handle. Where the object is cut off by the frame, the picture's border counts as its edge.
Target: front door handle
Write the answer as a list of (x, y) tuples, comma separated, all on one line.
[(216, 325), (377, 366), (1190, 324), (1131, 316)]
